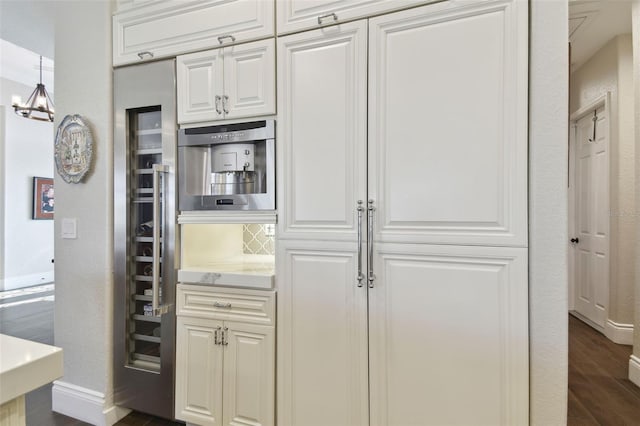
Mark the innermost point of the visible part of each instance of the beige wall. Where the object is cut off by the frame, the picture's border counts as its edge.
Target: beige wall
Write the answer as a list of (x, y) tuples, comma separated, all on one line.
[(634, 370), (610, 70)]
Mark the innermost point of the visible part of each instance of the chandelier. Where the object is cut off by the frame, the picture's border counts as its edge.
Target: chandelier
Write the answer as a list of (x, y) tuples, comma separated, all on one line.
[(39, 106)]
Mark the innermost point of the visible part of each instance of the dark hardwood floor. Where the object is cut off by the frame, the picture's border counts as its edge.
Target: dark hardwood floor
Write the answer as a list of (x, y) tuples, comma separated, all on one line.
[(599, 390)]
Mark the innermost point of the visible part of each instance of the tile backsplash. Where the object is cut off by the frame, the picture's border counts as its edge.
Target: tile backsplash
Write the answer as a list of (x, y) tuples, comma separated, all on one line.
[(258, 239)]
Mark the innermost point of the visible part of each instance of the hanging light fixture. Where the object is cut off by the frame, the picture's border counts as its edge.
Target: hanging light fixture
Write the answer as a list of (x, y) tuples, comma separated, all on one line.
[(39, 106)]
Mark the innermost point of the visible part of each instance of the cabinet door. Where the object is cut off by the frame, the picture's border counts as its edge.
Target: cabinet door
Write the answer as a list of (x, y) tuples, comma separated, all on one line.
[(322, 119), (249, 375), (448, 123), (322, 336), (250, 79), (448, 333), (200, 86), (296, 15), (198, 371), (168, 27)]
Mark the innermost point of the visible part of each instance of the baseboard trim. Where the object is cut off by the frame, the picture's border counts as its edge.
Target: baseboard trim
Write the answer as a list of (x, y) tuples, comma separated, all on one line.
[(619, 333), (84, 404), (634, 369)]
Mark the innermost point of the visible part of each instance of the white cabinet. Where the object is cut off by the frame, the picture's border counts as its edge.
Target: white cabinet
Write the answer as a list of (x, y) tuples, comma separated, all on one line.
[(440, 318), (225, 357), (165, 28), (296, 15), (226, 83)]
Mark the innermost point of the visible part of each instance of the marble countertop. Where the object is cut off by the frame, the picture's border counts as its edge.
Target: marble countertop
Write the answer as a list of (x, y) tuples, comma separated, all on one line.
[(249, 271), (26, 365)]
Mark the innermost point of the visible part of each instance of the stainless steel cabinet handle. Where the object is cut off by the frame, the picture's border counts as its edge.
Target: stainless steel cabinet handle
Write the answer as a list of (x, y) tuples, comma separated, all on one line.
[(218, 99), (370, 209), (225, 336), (141, 55), (155, 245), (221, 305), (223, 37), (328, 15), (225, 104), (216, 336), (360, 277)]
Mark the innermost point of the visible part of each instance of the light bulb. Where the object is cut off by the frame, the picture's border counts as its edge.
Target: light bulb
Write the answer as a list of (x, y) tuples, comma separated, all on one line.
[(16, 100)]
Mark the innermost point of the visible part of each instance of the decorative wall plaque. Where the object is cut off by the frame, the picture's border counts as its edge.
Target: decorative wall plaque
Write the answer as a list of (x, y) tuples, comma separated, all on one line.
[(73, 148)]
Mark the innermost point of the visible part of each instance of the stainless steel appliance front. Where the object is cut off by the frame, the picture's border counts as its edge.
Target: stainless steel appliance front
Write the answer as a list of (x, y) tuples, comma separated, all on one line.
[(144, 237), (227, 167)]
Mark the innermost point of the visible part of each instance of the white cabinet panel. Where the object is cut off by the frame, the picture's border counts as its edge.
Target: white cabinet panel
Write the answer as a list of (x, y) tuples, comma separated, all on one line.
[(198, 371), (200, 84), (226, 83), (448, 336), (296, 15), (249, 72), (165, 28), (447, 124), (249, 377), (322, 131), (322, 336)]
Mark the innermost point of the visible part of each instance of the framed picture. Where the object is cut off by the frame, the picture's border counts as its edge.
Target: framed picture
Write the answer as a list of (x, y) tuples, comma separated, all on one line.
[(43, 198)]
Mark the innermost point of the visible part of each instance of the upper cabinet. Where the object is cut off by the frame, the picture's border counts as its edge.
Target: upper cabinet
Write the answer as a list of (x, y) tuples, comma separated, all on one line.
[(232, 82), (296, 15), (165, 28)]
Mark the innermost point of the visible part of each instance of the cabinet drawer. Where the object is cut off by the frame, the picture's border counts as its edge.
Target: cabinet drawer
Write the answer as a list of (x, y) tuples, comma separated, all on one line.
[(170, 27), (252, 306)]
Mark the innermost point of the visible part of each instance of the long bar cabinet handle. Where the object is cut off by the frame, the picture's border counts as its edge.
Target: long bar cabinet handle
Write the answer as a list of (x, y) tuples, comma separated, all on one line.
[(218, 99), (370, 209), (216, 336), (328, 15), (225, 104), (360, 276), (155, 244), (225, 336)]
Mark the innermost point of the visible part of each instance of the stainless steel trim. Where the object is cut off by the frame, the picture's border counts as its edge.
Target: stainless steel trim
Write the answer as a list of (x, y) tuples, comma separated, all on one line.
[(370, 209), (328, 15), (360, 276), (222, 305), (222, 37), (155, 244), (218, 99), (141, 55), (225, 336), (225, 104)]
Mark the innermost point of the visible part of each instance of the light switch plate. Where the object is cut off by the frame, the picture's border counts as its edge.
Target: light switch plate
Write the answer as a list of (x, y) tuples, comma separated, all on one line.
[(69, 227)]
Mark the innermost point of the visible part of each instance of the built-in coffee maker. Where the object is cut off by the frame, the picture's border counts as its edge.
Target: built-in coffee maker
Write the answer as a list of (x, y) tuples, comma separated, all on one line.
[(227, 167)]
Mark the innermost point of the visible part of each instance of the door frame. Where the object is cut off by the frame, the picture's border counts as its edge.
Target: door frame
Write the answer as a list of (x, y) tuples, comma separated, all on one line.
[(603, 100)]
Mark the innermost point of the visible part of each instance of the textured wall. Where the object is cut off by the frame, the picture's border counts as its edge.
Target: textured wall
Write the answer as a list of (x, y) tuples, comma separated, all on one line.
[(548, 112), (610, 70), (84, 266)]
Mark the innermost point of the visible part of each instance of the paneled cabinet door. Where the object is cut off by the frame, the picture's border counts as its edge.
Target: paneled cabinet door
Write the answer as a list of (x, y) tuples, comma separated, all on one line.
[(249, 375), (448, 124), (322, 116), (448, 336), (198, 371), (322, 336), (231, 82), (296, 15), (200, 86)]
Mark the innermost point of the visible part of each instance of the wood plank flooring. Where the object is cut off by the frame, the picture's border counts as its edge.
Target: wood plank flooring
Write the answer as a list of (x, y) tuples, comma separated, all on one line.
[(599, 391)]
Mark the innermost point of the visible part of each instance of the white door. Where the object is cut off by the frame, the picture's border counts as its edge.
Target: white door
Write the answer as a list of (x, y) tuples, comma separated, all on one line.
[(591, 255), (249, 374), (322, 131), (322, 336), (447, 124), (250, 79), (199, 371), (200, 86), (448, 336)]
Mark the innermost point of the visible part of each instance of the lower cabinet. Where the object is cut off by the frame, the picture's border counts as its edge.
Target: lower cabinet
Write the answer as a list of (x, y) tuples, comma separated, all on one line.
[(224, 369)]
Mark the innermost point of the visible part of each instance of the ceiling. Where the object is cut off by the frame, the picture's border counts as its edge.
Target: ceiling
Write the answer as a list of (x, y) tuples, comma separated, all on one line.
[(30, 24)]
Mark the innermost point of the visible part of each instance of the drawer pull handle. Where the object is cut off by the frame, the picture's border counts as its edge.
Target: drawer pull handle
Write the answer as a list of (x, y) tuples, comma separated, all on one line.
[(141, 55), (221, 38), (328, 15), (221, 305)]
